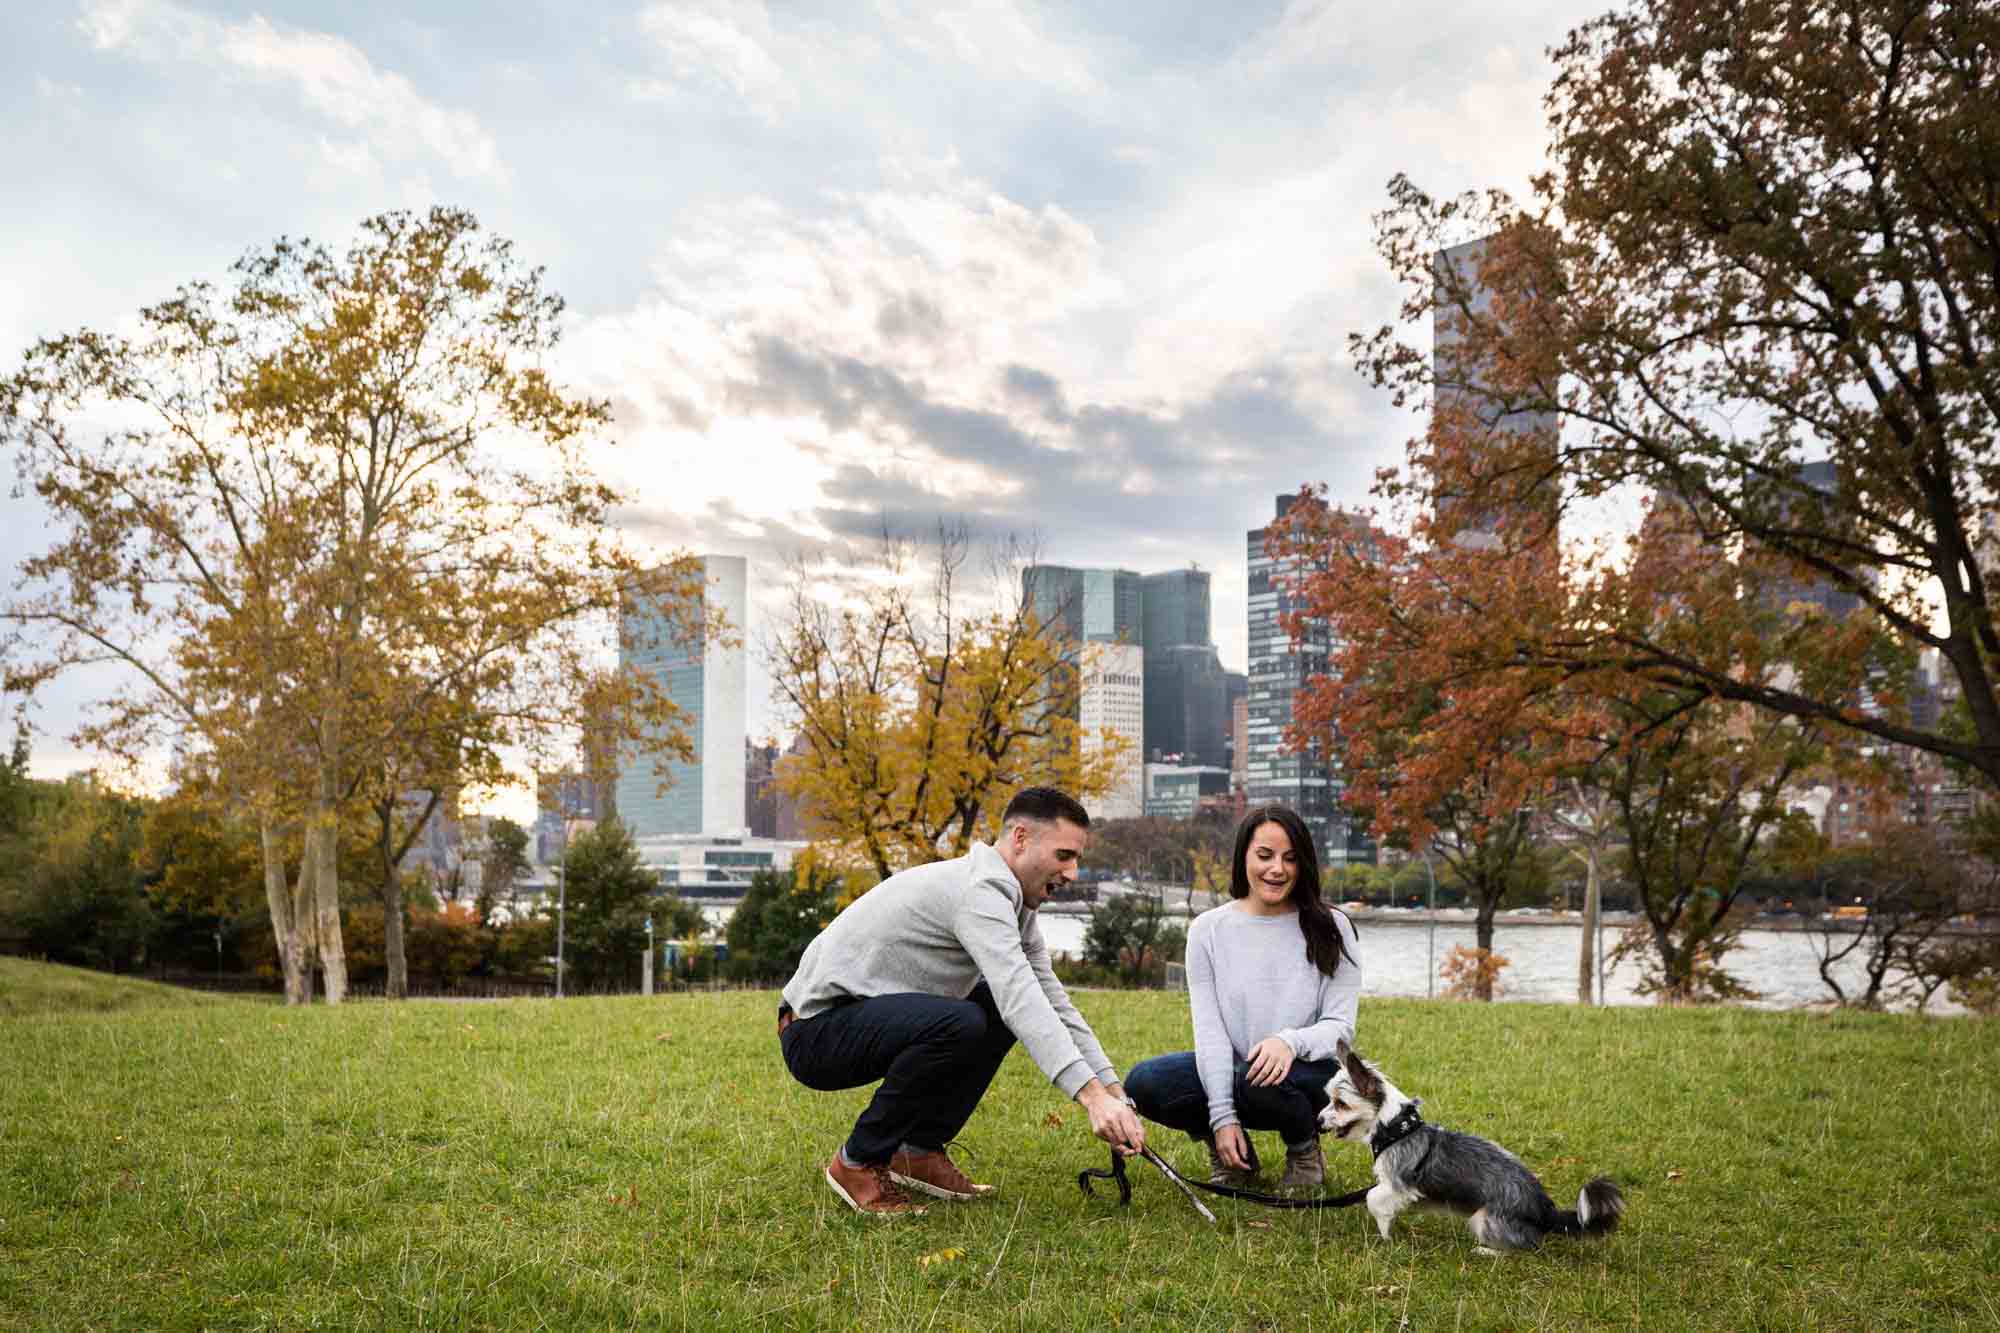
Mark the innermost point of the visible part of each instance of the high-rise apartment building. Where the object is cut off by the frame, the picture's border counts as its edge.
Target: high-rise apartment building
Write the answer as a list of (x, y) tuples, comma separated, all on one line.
[(1784, 593), (1465, 384), (705, 677), (1279, 669), (1239, 730), (1112, 697)]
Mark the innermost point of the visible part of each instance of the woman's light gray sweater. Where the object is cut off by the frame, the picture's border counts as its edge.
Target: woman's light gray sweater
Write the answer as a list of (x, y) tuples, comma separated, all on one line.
[(1248, 979)]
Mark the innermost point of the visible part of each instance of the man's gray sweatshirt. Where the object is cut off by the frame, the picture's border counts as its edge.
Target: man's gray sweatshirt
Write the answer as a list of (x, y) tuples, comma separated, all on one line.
[(940, 929)]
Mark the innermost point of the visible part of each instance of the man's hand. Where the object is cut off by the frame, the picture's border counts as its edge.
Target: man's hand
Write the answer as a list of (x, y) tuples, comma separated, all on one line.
[(1111, 1119), (1231, 1147), (1270, 1060)]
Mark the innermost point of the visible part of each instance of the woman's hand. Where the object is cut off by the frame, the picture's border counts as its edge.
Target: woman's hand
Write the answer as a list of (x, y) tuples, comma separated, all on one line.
[(1270, 1061), (1232, 1148)]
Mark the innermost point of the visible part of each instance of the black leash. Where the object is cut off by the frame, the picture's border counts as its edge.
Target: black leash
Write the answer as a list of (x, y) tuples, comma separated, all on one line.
[(1117, 1173)]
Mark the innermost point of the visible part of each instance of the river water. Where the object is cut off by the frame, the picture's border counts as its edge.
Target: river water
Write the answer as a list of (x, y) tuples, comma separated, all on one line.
[(1397, 958)]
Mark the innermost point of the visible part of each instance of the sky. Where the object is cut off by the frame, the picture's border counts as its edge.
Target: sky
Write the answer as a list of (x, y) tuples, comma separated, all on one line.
[(1081, 274)]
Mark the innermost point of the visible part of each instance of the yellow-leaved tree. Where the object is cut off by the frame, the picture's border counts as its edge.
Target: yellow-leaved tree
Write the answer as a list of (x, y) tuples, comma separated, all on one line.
[(342, 529), (923, 710)]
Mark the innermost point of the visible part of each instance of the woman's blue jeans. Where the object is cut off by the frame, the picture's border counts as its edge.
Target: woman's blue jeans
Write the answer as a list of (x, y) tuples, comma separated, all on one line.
[(1167, 1090)]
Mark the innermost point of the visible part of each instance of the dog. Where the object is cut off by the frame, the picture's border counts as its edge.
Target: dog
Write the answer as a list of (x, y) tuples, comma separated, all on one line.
[(1416, 1163)]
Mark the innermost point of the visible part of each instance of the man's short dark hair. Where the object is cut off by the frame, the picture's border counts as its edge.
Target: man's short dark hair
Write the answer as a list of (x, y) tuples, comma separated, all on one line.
[(1045, 805)]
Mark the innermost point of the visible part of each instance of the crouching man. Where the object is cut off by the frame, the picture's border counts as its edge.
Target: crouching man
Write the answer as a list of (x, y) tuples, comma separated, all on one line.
[(924, 982)]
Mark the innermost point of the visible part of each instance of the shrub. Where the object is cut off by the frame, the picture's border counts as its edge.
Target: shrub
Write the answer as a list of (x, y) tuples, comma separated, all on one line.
[(1472, 974)]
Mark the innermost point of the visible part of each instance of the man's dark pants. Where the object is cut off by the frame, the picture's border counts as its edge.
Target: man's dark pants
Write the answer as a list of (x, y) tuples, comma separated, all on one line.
[(934, 1056)]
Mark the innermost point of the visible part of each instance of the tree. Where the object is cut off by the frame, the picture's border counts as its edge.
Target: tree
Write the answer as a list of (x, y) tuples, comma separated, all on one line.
[(1767, 243), (1914, 881), (76, 894), (1132, 933), (342, 528), (781, 913), (1451, 765), (611, 895), (1449, 736), (1697, 787), (503, 863), (1584, 814), (922, 716)]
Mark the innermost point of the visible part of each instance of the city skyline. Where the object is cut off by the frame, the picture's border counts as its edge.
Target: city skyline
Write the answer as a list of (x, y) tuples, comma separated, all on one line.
[(1081, 275)]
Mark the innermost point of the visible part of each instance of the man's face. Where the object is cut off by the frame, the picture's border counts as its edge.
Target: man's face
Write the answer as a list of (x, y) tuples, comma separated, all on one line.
[(1046, 857)]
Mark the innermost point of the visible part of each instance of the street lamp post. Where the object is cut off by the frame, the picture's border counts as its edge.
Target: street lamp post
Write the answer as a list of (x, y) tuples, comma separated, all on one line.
[(1430, 972), (561, 905), (648, 977)]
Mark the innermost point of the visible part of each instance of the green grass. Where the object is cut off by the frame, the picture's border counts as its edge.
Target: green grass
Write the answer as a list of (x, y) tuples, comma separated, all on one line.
[(27, 989), (648, 1163)]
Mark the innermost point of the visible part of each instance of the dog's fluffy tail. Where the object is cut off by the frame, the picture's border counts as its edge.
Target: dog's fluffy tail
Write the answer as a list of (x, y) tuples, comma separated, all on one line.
[(1598, 1208)]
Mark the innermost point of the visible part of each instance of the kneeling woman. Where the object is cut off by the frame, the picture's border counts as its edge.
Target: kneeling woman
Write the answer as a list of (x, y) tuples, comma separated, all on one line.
[(1274, 979)]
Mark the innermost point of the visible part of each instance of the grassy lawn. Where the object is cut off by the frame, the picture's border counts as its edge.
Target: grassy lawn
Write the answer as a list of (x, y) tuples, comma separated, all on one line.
[(28, 989), (647, 1163)]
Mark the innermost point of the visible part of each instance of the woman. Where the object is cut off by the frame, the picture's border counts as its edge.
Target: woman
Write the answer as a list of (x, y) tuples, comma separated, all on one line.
[(1274, 979)]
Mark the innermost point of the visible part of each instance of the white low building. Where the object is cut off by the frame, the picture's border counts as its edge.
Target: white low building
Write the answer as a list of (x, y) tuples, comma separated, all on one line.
[(713, 866)]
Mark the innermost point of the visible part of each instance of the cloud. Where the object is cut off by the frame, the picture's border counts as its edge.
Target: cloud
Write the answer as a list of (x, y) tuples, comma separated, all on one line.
[(932, 350), (330, 76), (1005, 41), (719, 45)]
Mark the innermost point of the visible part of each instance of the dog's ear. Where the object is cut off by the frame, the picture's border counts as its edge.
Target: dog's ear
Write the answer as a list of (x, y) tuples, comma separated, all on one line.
[(1367, 1083)]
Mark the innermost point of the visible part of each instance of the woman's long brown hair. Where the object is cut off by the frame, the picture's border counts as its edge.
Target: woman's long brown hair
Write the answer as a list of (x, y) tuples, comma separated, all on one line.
[(1324, 946)]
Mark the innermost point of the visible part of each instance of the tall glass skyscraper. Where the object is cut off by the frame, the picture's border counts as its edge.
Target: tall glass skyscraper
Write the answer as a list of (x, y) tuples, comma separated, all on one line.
[(707, 681), (1279, 669), (1465, 385), (1091, 605)]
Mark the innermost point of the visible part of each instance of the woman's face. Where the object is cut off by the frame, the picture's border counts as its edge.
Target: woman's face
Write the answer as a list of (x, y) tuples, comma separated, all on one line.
[(1271, 865)]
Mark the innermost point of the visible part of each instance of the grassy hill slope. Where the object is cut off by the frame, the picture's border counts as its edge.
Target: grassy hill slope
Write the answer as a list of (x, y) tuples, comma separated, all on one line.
[(29, 988)]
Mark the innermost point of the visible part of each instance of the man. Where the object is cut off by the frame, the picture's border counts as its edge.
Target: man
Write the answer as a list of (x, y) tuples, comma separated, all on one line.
[(924, 982)]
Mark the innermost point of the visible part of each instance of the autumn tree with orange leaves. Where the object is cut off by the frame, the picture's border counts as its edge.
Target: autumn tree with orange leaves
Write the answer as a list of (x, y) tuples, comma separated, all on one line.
[(1757, 284), (1444, 764), (1451, 740)]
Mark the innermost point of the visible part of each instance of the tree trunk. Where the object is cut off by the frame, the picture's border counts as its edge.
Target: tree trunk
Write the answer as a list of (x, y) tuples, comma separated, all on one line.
[(1482, 988), (1586, 960), (397, 984), (322, 850), (284, 919)]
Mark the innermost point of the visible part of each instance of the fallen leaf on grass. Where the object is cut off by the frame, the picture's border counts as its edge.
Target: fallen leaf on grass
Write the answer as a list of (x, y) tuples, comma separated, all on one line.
[(1676, 1175), (1052, 1121), (1261, 1226), (1385, 1290), (941, 1257), (663, 1036), (629, 1199)]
